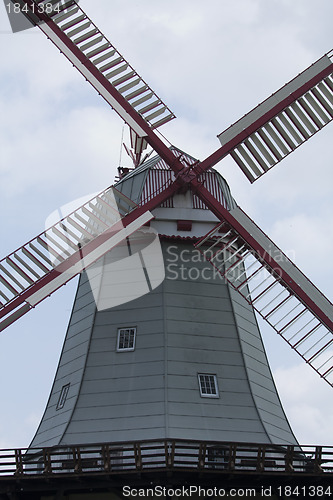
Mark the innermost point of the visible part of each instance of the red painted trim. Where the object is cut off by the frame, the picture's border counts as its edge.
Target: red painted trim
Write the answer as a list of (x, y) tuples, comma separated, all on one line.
[(322, 349), (220, 153), (184, 225), (185, 176), (306, 335), (223, 214), (153, 140)]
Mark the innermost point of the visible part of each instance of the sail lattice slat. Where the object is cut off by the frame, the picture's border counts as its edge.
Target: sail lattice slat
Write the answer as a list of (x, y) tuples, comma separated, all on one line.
[(84, 43), (264, 288), (55, 256), (284, 121)]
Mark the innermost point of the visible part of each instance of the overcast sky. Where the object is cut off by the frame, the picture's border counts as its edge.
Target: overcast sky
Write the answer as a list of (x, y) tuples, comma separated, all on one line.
[(211, 62)]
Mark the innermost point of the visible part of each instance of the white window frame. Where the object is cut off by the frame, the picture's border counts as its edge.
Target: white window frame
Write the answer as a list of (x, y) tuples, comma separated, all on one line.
[(214, 379), (125, 349)]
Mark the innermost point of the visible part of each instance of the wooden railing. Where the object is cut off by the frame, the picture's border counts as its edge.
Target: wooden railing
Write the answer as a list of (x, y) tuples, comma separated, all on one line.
[(113, 458)]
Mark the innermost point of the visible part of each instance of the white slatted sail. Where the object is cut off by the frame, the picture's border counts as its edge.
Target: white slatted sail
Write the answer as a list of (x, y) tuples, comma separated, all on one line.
[(50, 260), (99, 61), (295, 308), (284, 121)]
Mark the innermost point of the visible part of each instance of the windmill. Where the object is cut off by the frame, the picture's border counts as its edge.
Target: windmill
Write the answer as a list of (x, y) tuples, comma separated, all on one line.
[(252, 164)]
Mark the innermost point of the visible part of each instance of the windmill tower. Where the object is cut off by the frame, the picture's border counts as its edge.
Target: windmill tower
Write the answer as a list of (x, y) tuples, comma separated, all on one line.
[(169, 348), (184, 360)]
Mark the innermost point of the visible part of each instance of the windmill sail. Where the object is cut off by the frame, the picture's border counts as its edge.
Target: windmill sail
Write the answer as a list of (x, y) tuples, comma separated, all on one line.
[(38, 268), (280, 124), (276, 127), (71, 30), (276, 289)]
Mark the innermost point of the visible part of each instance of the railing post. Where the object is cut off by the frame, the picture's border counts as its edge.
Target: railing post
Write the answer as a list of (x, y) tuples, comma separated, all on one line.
[(317, 460), (169, 456), (137, 456), (261, 458), (19, 462), (289, 459), (232, 456), (77, 459), (202, 455), (47, 461), (106, 457)]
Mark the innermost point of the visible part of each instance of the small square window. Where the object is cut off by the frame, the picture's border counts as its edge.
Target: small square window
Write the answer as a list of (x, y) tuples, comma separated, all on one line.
[(208, 385), (126, 339), (63, 397)]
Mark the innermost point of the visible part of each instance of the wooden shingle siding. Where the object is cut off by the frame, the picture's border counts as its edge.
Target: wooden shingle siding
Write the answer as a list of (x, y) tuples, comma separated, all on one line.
[(259, 374), (192, 323), (70, 370), (183, 328)]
